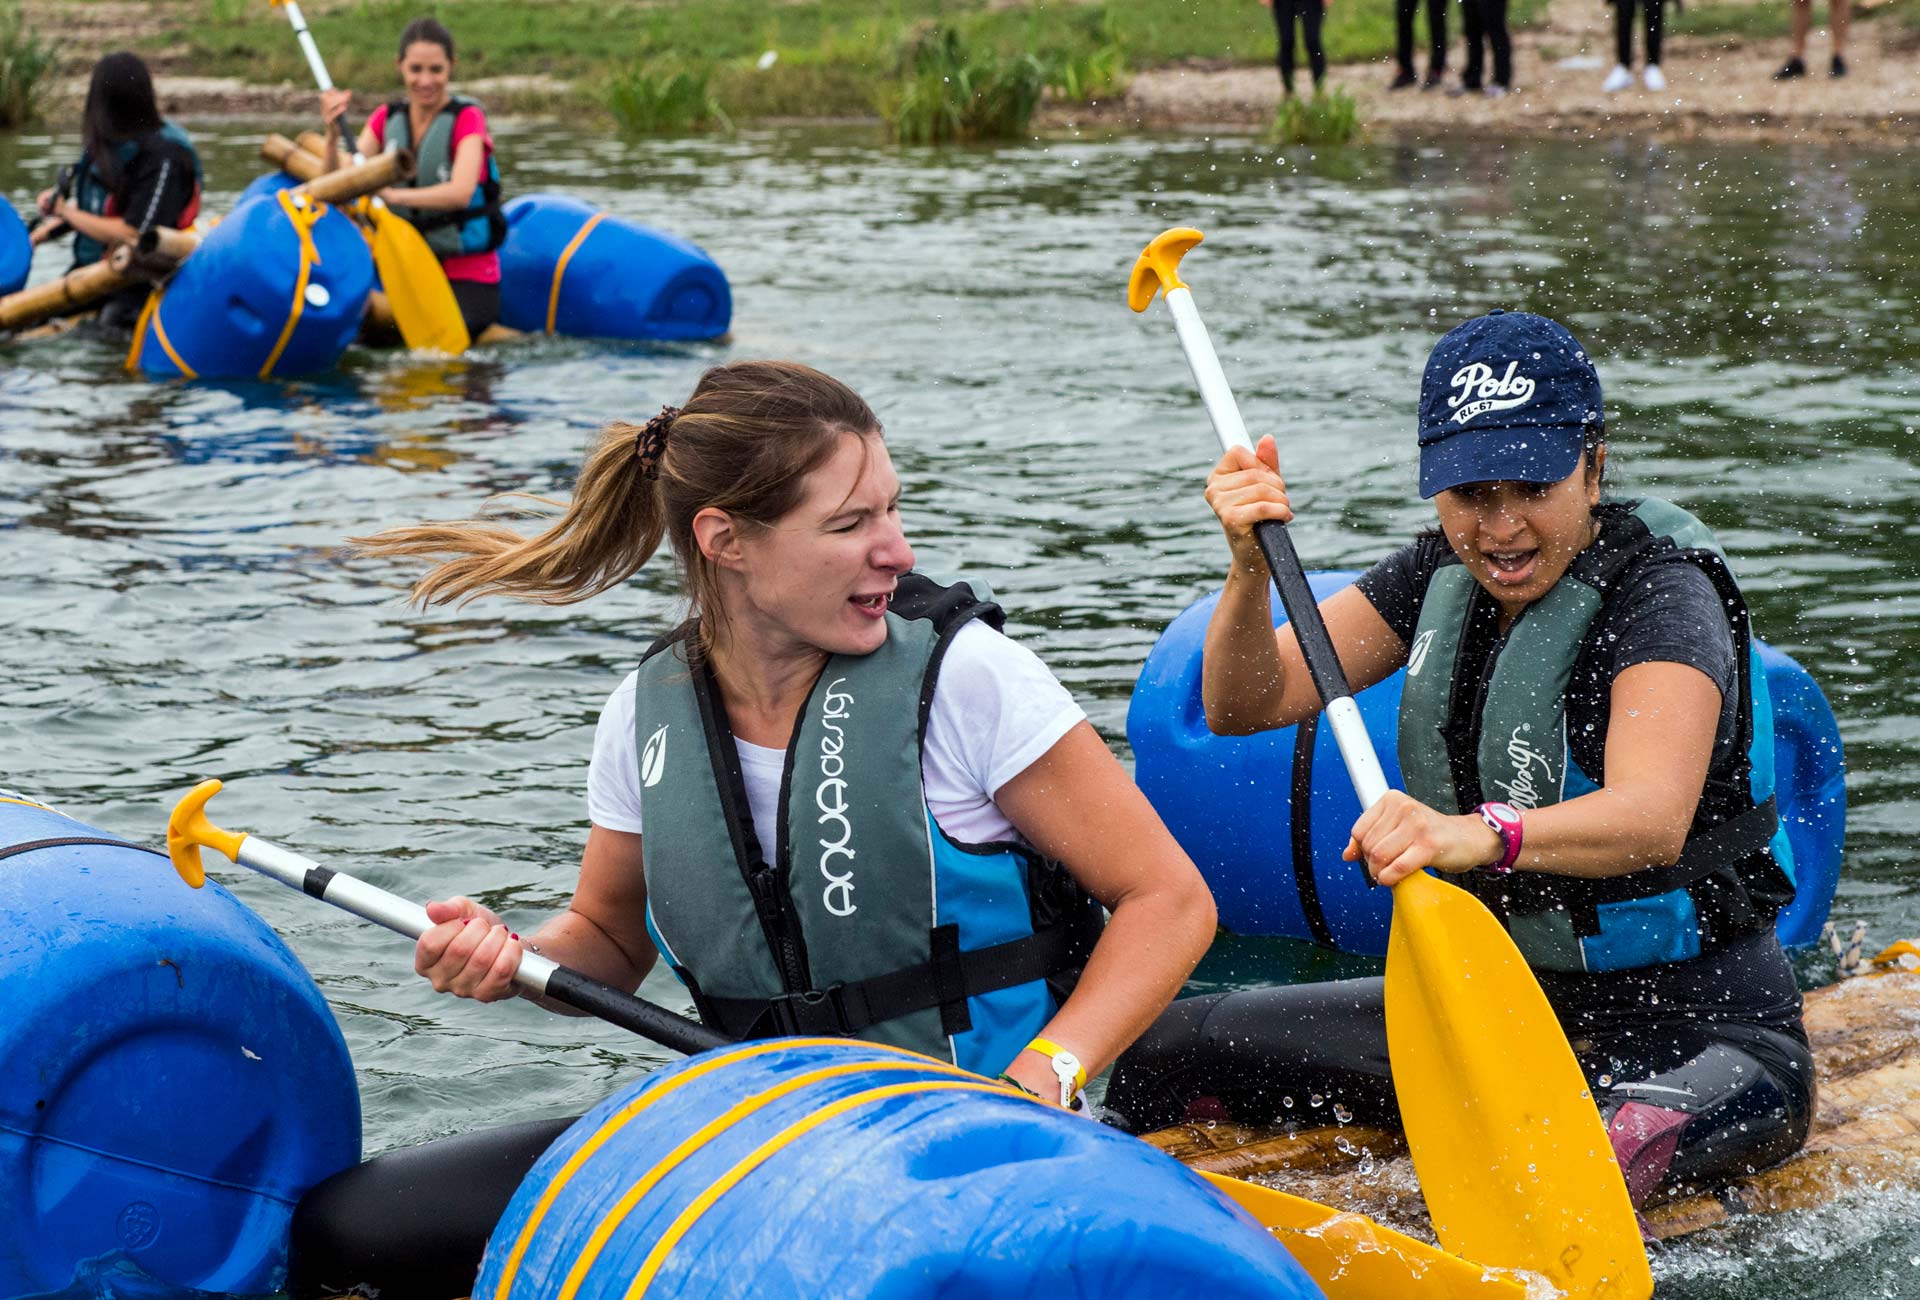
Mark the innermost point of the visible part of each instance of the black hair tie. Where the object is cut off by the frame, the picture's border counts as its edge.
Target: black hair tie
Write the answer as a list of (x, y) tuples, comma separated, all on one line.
[(651, 443)]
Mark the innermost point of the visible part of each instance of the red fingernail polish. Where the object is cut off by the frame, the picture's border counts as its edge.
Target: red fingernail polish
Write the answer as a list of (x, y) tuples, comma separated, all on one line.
[(512, 935)]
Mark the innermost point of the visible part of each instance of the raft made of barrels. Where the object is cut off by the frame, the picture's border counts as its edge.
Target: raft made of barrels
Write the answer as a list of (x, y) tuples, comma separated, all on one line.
[(820, 1167), (16, 250), (277, 288), (1265, 817), (174, 1081), (569, 268)]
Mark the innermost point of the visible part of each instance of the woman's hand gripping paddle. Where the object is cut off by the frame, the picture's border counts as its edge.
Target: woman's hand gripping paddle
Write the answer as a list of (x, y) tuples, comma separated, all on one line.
[(1511, 1152), (415, 283), (189, 830)]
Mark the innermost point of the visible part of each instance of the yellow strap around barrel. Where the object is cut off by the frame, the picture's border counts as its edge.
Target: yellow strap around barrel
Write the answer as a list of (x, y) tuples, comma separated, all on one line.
[(150, 314), (614, 1217), (304, 213), (629, 1112), (560, 267), (657, 1258)]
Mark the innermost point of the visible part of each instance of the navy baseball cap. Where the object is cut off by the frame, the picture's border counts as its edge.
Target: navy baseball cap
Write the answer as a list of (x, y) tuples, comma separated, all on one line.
[(1506, 396)]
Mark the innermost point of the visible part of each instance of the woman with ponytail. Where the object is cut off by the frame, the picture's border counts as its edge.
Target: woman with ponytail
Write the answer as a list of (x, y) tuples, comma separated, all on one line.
[(864, 810)]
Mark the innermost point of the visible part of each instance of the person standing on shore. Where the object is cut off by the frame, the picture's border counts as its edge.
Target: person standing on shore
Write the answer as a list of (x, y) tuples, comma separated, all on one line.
[(1839, 15), (1484, 23), (1403, 11), (1622, 75), (1309, 13)]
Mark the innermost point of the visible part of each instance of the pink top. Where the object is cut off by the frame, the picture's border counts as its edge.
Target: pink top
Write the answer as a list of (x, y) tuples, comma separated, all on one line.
[(477, 268)]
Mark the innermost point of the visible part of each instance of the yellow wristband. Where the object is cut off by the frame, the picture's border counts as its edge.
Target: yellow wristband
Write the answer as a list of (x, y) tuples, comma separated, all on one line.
[(1050, 1049)]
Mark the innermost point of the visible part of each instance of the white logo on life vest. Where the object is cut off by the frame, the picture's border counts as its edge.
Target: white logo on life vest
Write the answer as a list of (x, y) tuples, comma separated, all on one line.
[(1417, 658), (653, 758), (1481, 392), (1522, 791), (830, 797)]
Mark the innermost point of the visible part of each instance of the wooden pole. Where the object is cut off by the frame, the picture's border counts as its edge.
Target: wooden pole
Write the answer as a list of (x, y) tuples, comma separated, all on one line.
[(72, 291), (161, 249), (350, 183), (316, 144), (290, 158)]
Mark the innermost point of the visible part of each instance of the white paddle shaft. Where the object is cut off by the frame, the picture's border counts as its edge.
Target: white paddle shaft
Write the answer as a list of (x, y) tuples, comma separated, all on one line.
[(1343, 715), (369, 901)]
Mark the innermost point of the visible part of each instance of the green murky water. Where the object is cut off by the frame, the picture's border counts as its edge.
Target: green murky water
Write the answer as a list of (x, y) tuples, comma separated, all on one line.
[(176, 607)]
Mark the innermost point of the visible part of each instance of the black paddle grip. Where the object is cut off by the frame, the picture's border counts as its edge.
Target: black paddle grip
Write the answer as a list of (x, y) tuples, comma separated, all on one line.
[(623, 1009), (1302, 610)]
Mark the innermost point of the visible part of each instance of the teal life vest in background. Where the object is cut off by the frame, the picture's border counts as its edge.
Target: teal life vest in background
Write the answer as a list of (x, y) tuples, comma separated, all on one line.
[(1735, 870), (90, 192), (477, 228), (866, 918)]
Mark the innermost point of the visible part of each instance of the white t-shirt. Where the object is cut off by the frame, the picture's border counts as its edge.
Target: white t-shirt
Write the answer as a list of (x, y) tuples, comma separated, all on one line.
[(996, 708)]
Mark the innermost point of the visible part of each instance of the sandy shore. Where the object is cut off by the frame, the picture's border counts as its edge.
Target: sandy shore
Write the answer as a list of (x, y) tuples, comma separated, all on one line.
[(1717, 86)]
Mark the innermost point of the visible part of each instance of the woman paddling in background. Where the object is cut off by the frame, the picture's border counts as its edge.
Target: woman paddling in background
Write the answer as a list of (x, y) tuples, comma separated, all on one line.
[(136, 171), (1575, 732), (454, 196)]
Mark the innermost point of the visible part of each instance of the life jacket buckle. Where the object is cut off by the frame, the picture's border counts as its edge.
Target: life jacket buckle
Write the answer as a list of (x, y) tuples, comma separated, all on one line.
[(814, 1012)]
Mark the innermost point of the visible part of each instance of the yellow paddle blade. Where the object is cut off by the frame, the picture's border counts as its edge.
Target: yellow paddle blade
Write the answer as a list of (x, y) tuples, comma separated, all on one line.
[(1354, 1258), (416, 286), (1512, 1155)]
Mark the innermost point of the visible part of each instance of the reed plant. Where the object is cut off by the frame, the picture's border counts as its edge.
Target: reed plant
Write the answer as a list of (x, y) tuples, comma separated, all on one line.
[(1088, 76), (661, 99), (950, 90), (1329, 118), (25, 61)]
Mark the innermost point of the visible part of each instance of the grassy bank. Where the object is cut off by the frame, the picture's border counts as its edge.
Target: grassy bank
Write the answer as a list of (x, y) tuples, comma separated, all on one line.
[(830, 57)]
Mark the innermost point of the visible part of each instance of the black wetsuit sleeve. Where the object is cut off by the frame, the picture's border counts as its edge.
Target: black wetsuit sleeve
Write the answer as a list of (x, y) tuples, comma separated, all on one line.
[(160, 184), (1670, 613), (1396, 586)]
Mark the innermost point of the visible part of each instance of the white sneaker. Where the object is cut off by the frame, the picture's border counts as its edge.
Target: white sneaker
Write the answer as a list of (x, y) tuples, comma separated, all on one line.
[(1617, 80), (1495, 91), (1655, 79)]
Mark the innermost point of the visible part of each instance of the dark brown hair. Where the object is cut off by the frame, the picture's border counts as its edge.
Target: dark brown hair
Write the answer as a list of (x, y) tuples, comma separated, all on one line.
[(743, 443), (120, 107), (426, 29)]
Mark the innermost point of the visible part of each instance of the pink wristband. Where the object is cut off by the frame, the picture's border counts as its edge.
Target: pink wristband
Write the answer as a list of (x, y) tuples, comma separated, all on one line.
[(1504, 819)]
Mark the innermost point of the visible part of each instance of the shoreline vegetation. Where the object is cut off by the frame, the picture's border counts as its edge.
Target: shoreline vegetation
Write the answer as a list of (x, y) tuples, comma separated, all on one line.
[(941, 70)]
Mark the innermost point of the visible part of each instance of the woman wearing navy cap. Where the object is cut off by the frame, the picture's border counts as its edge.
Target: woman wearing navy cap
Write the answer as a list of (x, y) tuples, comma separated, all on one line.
[(1578, 732)]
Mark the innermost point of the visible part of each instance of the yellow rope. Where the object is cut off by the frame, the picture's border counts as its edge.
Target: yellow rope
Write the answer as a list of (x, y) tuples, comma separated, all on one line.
[(140, 328), (303, 213), (560, 267), (657, 1258)]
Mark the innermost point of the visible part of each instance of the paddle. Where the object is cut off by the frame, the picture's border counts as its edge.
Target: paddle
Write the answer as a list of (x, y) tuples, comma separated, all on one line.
[(416, 284), (188, 830), (1511, 1152)]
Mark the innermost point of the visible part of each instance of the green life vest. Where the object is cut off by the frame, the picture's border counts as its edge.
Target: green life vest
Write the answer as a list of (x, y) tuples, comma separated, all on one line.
[(480, 227), (1460, 744), (91, 194), (867, 919)]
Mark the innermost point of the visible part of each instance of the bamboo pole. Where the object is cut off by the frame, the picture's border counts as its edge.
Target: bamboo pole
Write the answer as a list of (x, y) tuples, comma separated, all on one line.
[(159, 250), (316, 144), (72, 291), (350, 183), (290, 158)]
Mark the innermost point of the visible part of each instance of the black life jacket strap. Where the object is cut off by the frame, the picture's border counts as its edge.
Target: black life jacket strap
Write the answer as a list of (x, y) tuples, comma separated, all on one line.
[(945, 981), (1718, 848)]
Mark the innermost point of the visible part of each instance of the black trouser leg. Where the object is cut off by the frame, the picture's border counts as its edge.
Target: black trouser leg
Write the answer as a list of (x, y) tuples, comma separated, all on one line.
[(1493, 19), (1474, 33), (479, 304), (1283, 27), (1311, 12), (1623, 33), (1656, 24), (1403, 11), (1436, 38)]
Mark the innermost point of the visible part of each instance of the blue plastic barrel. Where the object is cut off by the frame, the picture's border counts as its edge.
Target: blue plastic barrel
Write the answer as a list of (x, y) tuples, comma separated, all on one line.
[(16, 254), (799, 1168), (621, 280), (226, 312), (1266, 816), (172, 1080)]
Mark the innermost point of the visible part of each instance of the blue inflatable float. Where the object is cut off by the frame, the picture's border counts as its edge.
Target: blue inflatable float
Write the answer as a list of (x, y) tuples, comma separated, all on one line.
[(173, 1083), (798, 1168), (16, 253), (568, 268), (1266, 816), (277, 288)]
